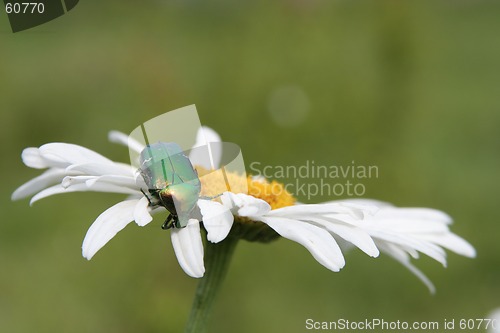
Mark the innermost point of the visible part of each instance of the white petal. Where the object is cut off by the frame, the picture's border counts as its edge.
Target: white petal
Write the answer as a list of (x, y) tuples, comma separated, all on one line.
[(31, 157), (407, 225), (64, 154), (124, 181), (107, 225), (454, 243), (141, 212), (314, 209), (427, 248), (318, 241), (99, 169), (363, 202), (352, 234), (106, 187), (127, 141), (412, 252), (56, 189), (46, 179), (246, 205), (217, 219), (93, 181), (227, 201), (199, 157), (360, 210), (415, 214), (98, 187), (73, 180), (206, 134), (188, 248), (403, 258)]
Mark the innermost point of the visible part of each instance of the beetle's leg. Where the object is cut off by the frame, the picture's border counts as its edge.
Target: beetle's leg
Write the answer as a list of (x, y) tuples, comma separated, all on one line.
[(147, 197), (176, 223), (168, 222), (163, 203)]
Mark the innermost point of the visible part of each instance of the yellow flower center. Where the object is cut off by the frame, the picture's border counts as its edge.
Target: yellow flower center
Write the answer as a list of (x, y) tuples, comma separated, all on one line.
[(213, 183), (274, 193), (219, 181)]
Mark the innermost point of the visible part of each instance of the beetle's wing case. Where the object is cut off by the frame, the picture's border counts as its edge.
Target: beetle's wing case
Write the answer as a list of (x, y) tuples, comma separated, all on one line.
[(164, 163)]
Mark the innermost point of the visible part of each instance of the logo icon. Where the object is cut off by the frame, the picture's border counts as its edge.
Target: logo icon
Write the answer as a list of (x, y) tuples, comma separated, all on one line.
[(25, 15)]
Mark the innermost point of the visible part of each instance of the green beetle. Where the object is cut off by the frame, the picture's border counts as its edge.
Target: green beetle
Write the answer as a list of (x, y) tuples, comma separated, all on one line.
[(172, 181)]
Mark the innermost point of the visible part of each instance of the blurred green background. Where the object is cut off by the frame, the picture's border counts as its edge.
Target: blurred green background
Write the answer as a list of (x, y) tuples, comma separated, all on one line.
[(410, 86)]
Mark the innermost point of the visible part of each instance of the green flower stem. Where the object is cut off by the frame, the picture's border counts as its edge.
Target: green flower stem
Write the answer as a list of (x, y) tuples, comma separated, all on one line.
[(217, 259)]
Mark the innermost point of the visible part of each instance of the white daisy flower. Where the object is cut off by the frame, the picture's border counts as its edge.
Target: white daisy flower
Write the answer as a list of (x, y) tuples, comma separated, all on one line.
[(263, 214)]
